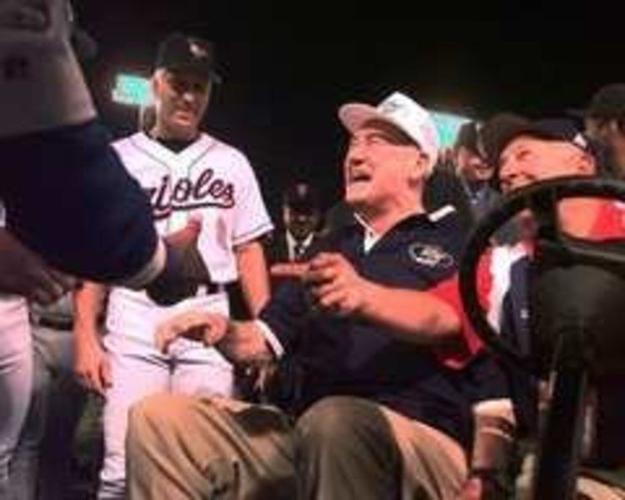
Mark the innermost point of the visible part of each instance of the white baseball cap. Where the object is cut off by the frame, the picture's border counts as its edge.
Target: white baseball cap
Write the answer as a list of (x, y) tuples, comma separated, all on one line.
[(400, 111)]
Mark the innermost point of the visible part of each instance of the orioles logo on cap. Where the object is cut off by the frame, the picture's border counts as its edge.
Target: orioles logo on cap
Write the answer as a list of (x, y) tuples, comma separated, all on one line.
[(197, 50)]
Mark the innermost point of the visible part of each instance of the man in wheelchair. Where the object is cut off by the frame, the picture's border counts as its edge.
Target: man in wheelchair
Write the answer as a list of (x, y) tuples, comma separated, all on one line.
[(526, 153), (379, 413)]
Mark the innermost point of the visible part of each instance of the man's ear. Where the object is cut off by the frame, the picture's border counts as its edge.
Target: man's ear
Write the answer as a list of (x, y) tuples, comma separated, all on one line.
[(420, 168), (155, 84)]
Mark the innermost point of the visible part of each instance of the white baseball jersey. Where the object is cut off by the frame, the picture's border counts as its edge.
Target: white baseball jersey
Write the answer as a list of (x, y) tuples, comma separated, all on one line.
[(208, 180)]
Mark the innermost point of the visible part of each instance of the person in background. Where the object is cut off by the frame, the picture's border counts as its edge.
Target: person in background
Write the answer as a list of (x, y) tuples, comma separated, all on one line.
[(473, 170), (301, 218), (604, 121)]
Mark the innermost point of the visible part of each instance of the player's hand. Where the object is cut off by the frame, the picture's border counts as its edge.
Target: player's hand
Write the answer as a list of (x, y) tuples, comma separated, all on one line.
[(91, 365), (185, 240), (185, 268), (24, 273), (333, 282), (195, 325), (187, 235)]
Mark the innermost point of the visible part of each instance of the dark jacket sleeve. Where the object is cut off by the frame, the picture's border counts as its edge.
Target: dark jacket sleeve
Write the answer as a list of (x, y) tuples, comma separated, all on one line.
[(287, 312), (69, 198)]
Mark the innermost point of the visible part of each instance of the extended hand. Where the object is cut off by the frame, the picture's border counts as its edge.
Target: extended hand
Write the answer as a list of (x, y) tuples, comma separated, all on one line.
[(185, 268), (334, 283), (185, 242), (195, 325)]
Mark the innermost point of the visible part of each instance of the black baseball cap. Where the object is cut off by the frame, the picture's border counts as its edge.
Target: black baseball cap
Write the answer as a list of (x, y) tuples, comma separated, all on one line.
[(301, 197), (468, 137), (502, 129), (187, 53)]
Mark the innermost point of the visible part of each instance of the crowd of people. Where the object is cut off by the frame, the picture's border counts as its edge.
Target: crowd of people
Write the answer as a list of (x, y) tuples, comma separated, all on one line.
[(329, 357)]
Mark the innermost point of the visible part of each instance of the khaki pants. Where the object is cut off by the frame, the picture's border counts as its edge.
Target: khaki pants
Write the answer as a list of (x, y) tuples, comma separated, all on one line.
[(342, 448), (596, 490)]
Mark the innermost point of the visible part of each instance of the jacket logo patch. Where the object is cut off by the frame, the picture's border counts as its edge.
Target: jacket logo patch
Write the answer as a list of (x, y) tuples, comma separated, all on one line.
[(430, 255)]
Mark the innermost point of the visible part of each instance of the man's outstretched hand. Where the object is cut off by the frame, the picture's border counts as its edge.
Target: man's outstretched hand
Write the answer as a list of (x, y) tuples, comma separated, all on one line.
[(185, 242), (185, 268), (334, 284)]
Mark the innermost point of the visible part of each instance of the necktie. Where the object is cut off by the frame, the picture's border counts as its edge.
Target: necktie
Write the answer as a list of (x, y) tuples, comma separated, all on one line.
[(299, 250)]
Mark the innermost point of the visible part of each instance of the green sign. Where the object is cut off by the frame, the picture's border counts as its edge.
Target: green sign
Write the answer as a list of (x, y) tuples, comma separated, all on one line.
[(448, 126), (132, 90)]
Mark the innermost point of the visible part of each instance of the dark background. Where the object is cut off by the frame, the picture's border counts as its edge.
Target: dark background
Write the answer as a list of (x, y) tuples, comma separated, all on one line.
[(280, 94)]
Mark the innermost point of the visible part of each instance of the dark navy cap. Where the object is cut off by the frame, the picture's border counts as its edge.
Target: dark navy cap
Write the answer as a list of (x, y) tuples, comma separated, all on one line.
[(468, 137), (505, 128), (301, 197), (187, 53)]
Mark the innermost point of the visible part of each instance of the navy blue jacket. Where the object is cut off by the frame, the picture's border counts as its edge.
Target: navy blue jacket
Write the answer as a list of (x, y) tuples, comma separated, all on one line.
[(351, 356), (69, 198)]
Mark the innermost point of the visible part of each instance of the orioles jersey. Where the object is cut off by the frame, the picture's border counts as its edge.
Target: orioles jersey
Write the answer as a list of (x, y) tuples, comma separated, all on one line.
[(208, 180)]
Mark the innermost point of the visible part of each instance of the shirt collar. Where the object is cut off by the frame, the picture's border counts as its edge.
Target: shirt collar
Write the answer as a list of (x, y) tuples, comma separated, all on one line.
[(292, 242), (371, 237)]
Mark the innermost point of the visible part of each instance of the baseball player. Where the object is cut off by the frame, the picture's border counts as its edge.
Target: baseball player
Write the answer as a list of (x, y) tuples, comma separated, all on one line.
[(188, 175), (59, 174)]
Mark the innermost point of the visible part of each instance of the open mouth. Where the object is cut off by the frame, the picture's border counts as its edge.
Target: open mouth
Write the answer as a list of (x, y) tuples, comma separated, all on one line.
[(359, 177)]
